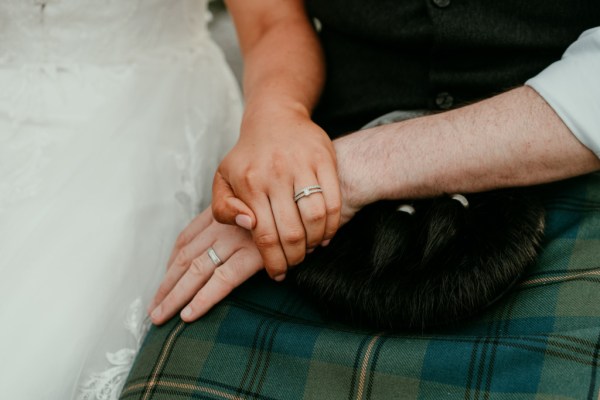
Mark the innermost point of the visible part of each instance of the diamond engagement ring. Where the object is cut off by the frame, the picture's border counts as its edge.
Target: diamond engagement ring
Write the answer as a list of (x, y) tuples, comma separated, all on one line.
[(307, 191), (214, 257)]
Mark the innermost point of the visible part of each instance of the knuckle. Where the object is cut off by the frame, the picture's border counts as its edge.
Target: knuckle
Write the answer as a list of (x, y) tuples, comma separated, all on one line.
[(199, 268), (236, 266), (334, 208), (279, 164), (315, 214), (266, 240), (225, 278), (168, 303), (182, 239), (293, 236), (250, 178), (183, 257), (219, 210)]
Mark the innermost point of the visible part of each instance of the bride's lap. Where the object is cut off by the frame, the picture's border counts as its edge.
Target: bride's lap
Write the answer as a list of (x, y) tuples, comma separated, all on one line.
[(100, 169)]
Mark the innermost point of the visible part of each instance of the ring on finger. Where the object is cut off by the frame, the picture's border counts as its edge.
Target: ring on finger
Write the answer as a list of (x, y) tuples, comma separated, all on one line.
[(212, 254), (307, 191)]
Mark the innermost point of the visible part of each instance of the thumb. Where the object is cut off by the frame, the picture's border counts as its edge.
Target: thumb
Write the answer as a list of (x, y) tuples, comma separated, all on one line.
[(227, 208)]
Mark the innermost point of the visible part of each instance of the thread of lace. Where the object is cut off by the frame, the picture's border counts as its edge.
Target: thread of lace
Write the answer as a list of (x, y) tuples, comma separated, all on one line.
[(107, 385)]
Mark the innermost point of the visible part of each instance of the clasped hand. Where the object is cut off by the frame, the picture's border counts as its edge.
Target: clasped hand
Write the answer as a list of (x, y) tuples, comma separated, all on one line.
[(254, 186), (196, 283), (193, 279)]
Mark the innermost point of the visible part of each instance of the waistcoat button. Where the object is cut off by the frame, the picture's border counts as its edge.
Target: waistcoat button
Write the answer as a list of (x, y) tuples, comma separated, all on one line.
[(444, 100), (441, 3)]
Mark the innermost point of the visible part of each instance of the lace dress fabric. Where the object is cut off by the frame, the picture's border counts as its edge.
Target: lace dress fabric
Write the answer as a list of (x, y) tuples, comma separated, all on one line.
[(113, 117)]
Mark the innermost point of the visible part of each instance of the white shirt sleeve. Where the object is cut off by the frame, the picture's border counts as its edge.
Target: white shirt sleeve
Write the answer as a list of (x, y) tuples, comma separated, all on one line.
[(572, 88)]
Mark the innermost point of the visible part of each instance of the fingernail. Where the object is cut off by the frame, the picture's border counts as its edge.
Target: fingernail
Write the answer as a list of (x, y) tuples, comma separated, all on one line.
[(308, 251), (325, 242), (279, 278), (156, 313), (243, 221), (187, 312)]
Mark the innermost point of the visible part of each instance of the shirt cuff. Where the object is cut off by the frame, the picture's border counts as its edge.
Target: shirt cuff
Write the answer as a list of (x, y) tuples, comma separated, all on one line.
[(572, 88)]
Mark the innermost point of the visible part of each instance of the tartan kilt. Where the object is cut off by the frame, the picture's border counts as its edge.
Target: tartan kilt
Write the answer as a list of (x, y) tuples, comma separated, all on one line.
[(541, 341)]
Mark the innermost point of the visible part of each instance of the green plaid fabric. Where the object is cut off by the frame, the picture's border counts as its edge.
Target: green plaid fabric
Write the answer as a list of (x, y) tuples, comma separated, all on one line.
[(264, 342)]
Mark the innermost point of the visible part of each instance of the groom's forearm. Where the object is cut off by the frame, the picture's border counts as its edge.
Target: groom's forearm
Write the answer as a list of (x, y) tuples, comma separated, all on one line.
[(513, 139)]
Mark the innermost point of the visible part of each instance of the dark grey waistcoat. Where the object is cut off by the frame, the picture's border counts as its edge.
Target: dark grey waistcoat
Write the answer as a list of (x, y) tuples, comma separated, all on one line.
[(384, 55)]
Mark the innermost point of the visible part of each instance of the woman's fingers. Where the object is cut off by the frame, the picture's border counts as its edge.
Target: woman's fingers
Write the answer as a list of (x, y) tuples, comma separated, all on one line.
[(182, 261), (227, 208), (195, 277), (266, 238), (312, 212), (275, 155), (206, 278), (198, 224), (290, 229), (237, 269), (333, 201)]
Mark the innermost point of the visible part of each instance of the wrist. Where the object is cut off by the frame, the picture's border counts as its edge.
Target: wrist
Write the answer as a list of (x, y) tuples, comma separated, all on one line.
[(374, 165), (269, 109), (357, 186)]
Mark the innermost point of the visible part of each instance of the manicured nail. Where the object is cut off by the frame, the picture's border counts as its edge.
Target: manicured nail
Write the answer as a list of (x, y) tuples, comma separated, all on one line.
[(279, 278), (325, 242), (243, 221), (308, 251), (156, 313), (187, 312)]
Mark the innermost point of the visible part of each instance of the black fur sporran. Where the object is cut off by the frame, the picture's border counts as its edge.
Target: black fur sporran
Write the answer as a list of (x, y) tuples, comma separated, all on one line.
[(430, 263)]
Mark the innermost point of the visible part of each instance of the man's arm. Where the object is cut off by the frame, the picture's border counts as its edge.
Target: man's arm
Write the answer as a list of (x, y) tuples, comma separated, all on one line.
[(513, 139), (522, 137)]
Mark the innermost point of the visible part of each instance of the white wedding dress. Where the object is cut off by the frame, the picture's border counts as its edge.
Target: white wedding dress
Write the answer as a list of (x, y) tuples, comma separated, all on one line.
[(113, 117)]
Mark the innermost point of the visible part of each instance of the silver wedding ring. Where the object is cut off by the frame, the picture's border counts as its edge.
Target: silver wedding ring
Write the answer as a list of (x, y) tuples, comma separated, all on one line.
[(214, 257), (307, 191)]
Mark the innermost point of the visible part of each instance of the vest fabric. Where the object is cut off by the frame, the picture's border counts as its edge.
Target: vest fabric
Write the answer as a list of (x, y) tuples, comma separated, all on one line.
[(385, 55)]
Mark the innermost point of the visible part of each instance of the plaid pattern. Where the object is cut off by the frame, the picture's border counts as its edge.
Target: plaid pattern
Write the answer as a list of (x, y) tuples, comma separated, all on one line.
[(264, 342)]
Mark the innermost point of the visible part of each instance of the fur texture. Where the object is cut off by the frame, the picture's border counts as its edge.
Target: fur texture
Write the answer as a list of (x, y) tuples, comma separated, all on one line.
[(390, 270)]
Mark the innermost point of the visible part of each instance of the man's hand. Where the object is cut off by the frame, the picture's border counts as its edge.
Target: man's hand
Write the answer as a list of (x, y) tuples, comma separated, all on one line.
[(193, 279)]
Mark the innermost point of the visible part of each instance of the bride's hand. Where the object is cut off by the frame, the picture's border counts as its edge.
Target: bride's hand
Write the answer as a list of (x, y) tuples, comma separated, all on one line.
[(278, 154), (193, 279)]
